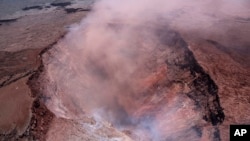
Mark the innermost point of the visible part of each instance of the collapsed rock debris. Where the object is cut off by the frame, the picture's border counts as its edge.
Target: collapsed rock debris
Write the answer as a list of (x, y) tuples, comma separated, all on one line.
[(204, 91)]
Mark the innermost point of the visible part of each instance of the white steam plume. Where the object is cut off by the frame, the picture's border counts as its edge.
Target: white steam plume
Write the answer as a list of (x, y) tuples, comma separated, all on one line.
[(101, 65)]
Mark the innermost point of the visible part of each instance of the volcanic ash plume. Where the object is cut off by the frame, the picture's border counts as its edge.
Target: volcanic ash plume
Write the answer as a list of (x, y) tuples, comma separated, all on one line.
[(113, 66)]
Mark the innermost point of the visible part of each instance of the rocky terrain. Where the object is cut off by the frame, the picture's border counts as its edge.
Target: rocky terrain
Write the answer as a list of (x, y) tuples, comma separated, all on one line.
[(24, 38), (192, 85)]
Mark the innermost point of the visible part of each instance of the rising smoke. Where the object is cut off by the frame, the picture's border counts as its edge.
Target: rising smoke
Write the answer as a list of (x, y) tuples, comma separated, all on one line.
[(107, 64)]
